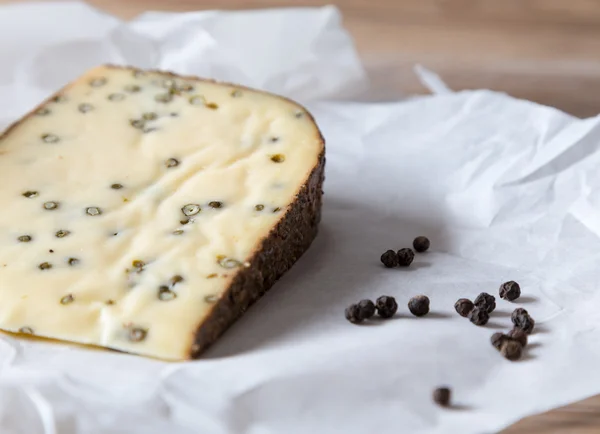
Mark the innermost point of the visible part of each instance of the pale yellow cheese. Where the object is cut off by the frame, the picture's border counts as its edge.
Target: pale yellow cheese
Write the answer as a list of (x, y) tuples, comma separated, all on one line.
[(238, 147)]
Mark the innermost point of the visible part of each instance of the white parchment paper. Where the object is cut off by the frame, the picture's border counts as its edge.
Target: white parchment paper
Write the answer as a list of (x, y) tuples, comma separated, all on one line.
[(505, 189)]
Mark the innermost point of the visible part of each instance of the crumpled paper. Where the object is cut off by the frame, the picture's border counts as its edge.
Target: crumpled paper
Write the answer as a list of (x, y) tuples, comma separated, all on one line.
[(506, 190)]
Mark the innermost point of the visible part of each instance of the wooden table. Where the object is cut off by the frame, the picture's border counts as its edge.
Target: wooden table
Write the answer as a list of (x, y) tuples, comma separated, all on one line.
[(546, 51)]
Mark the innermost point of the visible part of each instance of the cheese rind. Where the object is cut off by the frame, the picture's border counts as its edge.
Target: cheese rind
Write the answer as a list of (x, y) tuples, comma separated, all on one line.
[(158, 209)]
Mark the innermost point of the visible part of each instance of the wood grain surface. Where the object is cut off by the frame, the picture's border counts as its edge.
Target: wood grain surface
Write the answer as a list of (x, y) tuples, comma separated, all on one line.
[(546, 51)]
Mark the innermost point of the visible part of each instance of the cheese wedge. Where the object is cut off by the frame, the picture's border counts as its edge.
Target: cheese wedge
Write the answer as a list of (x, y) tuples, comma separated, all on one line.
[(145, 212)]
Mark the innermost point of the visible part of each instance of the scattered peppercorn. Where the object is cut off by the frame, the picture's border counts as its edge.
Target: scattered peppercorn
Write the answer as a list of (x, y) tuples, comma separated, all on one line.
[(419, 305), (518, 335), (463, 306), (421, 244), (215, 204), (390, 259), (386, 306), (405, 257), (441, 396), (510, 290), (353, 315), (511, 349), (367, 308), (45, 266), (479, 316), (486, 301), (25, 238), (498, 339), (518, 311), (523, 321)]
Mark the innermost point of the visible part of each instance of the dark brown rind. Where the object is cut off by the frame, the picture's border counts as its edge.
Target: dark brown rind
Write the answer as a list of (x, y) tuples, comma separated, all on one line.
[(288, 240)]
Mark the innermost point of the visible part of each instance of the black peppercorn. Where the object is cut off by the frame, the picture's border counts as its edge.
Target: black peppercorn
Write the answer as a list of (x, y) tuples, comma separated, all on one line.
[(419, 305), (386, 306), (421, 244), (486, 301), (511, 349), (366, 308), (510, 291), (441, 396), (405, 257), (479, 316), (463, 306), (352, 314), (389, 259), (518, 335), (518, 311), (523, 321), (498, 339)]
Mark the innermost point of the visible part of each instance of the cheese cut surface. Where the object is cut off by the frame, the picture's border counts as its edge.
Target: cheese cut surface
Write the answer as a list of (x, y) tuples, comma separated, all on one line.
[(144, 212)]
